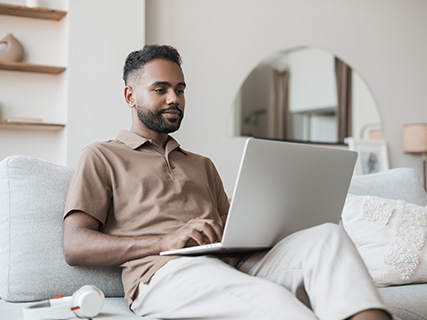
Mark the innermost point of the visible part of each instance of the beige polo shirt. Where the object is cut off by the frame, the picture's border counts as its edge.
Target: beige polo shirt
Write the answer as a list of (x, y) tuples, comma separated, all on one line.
[(136, 188)]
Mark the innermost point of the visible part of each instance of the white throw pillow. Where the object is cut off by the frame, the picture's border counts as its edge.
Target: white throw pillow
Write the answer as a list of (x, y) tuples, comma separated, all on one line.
[(390, 235)]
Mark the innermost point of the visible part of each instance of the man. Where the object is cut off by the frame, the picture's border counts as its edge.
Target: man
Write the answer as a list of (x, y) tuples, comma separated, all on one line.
[(140, 194)]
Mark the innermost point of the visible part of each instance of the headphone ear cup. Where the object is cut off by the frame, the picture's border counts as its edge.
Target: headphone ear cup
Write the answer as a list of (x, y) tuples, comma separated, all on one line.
[(87, 301)]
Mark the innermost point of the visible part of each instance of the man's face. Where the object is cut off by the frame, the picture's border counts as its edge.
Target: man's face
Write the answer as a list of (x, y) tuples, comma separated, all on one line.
[(159, 96)]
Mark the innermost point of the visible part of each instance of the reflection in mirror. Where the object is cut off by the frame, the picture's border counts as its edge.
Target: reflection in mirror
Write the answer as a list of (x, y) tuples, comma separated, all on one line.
[(305, 94)]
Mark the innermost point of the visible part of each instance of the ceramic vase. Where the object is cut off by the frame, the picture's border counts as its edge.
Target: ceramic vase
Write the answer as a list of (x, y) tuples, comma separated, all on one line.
[(13, 51), (32, 3)]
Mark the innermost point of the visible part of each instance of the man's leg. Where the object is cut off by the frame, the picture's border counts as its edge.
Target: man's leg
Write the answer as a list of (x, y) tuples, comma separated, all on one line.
[(322, 268), (208, 288)]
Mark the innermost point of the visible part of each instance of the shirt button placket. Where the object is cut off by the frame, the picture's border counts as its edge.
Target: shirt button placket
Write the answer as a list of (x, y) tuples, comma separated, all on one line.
[(170, 168)]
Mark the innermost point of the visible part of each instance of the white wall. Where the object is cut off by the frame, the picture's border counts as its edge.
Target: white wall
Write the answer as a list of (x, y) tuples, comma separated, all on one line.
[(102, 33), (92, 41), (221, 41)]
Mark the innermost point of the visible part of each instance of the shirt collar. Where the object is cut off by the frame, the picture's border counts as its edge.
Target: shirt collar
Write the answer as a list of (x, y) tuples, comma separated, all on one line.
[(131, 139), (134, 141)]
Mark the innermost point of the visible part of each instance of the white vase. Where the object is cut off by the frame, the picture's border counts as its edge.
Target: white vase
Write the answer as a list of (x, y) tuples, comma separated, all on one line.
[(32, 3)]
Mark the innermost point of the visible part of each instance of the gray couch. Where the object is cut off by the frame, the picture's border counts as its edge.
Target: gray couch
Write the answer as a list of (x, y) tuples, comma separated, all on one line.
[(408, 302), (32, 267)]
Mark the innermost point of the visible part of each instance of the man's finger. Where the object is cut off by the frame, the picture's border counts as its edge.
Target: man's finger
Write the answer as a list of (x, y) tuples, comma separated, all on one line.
[(211, 231), (196, 236)]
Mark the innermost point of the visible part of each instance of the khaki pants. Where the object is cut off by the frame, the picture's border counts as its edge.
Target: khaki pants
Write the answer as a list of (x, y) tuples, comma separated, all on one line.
[(312, 274)]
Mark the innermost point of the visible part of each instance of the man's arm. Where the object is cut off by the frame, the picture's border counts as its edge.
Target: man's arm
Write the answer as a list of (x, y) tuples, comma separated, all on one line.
[(224, 220), (83, 244)]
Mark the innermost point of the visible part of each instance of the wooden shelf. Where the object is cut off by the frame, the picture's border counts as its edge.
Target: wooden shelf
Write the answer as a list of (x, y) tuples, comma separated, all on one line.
[(31, 125), (35, 13), (27, 12), (29, 67)]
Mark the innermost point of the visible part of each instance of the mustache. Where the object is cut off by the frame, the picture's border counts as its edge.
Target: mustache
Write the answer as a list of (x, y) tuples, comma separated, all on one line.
[(171, 108)]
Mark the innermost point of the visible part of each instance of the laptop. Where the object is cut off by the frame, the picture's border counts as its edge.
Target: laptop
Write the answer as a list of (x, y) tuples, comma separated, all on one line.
[(281, 188)]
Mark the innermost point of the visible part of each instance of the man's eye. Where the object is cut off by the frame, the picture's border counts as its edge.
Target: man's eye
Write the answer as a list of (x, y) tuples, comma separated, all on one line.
[(159, 90), (180, 91)]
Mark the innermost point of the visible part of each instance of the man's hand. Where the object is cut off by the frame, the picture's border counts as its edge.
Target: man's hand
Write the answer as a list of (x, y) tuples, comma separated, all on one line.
[(195, 232)]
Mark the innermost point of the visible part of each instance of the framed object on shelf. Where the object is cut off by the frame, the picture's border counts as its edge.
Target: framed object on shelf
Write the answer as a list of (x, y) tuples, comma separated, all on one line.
[(372, 155)]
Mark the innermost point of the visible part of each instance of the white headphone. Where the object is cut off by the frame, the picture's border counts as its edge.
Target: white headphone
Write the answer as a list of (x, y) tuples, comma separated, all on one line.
[(86, 302)]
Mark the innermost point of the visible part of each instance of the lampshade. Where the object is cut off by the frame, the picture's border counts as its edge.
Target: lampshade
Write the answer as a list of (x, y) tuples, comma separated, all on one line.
[(415, 138)]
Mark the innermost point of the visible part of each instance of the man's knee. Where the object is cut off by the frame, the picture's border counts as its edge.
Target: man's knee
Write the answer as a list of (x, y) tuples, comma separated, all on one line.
[(330, 227), (331, 239), (331, 231)]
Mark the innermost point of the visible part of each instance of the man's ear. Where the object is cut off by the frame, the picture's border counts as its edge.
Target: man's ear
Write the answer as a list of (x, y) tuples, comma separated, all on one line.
[(130, 96)]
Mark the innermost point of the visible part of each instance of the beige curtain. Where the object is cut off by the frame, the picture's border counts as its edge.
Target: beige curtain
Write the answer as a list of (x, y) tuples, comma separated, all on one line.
[(344, 84), (279, 118)]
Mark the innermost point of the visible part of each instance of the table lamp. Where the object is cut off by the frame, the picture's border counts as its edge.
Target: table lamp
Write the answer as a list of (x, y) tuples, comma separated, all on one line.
[(415, 141)]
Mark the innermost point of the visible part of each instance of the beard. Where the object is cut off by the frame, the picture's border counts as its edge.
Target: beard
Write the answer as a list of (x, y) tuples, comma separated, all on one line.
[(154, 120)]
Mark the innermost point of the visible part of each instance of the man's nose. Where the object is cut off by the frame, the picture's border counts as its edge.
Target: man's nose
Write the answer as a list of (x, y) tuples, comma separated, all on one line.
[(172, 97)]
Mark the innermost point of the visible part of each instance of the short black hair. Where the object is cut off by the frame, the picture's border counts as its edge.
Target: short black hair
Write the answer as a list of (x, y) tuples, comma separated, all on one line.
[(137, 59)]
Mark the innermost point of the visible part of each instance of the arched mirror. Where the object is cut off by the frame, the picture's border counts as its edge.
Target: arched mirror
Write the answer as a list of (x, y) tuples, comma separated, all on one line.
[(306, 94)]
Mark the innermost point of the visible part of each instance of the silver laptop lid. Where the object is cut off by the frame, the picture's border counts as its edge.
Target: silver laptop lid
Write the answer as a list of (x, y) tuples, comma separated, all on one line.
[(284, 187)]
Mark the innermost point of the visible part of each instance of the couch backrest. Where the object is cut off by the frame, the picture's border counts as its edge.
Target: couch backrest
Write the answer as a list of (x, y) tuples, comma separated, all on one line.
[(32, 264), (398, 184)]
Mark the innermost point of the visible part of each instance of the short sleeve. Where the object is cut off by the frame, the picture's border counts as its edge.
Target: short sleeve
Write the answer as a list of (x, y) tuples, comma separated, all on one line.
[(90, 188), (222, 199)]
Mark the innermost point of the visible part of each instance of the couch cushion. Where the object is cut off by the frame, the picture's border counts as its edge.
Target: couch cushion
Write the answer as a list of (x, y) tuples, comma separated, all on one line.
[(113, 309), (398, 184), (32, 265), (406, 302)]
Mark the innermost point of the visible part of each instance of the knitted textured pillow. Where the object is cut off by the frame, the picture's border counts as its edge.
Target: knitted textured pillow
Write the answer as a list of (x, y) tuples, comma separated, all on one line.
[(390, 236)]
